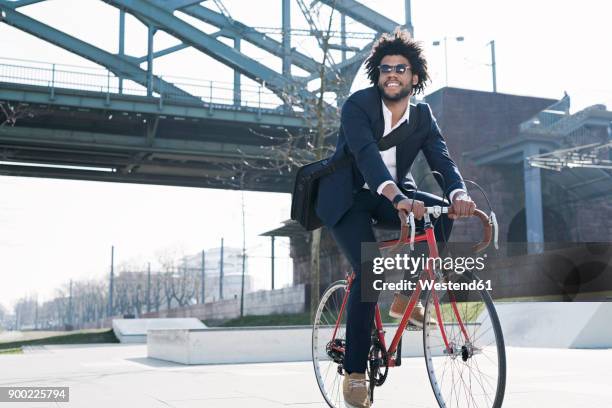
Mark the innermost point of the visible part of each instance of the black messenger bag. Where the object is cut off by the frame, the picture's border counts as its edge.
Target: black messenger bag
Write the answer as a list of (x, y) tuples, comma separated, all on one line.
[(307, 178)]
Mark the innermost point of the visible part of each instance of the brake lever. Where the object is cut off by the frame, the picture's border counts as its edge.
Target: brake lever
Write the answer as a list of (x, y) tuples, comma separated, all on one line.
[(493, 222)]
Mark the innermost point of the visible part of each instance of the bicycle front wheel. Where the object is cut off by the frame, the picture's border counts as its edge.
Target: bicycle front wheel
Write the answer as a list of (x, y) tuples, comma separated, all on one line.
[(327, 348), (471, 371)]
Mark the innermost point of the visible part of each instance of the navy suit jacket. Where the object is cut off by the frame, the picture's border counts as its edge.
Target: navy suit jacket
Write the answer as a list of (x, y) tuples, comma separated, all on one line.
[(361, 127)]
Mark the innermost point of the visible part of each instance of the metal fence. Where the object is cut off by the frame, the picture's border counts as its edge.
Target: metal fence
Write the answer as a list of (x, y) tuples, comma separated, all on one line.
[(62, 76)]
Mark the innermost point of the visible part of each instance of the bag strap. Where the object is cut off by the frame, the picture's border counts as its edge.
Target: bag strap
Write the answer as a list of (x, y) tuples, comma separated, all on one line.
[(332, 167), (403, 132), (397, 136)]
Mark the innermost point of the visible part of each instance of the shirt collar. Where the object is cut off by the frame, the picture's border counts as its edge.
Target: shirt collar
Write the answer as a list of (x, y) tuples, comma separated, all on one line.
[(388, 116)]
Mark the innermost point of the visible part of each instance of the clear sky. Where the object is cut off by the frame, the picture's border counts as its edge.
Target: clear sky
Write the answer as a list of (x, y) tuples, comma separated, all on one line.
[(53, 230)]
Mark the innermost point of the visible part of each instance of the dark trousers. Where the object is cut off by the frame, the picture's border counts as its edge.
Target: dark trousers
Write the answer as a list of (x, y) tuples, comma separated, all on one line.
[(354, 228)]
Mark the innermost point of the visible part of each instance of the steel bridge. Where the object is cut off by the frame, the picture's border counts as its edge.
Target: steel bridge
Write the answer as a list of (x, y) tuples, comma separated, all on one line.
[(121, 122)]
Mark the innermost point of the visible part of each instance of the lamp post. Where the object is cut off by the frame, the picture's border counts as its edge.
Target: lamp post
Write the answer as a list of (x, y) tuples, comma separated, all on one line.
[(203, 278), (492, 44), (445, 40), (408, 15), (111, 283), (221, 272), (148, 287)]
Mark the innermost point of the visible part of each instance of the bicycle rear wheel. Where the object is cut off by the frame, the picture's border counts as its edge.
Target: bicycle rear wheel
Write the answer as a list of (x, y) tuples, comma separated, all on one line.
[(472, 371), (327, 350)]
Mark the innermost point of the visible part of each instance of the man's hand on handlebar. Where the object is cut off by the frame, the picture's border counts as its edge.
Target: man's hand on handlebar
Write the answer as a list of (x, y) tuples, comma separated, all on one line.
[(416, 206), (462, 206)]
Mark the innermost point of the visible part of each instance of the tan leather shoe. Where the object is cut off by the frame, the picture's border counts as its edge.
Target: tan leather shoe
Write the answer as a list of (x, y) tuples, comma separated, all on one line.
[(355, 390), (399, 305)]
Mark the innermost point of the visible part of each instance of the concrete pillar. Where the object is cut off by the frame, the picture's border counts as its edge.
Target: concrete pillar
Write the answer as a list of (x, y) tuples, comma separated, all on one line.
[(533, 202)]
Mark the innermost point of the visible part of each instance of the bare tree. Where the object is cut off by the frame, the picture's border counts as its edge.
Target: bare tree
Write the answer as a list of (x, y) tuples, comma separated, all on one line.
[(284, 154), (167, 260), (156, 290), (11, 113), (2, 317), (89, 300), (184, 286), (26, 311), (60, 308), (179, 282), (167, 285)]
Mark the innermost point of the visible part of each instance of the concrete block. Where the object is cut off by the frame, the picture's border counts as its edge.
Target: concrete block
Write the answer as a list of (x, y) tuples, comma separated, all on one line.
[(135, 330), (251, 345), (556, 324)]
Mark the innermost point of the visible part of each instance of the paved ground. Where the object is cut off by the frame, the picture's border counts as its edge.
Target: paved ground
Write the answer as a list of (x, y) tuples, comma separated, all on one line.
[(121, 376)]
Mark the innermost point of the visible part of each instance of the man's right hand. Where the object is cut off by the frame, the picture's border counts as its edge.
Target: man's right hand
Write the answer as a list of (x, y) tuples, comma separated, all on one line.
[(416, 206)]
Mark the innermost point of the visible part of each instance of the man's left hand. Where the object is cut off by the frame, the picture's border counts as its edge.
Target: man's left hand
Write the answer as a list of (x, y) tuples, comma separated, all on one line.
[(462, 206)]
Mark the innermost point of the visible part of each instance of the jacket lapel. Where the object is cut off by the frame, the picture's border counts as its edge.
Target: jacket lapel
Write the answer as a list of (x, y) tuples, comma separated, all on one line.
[(405, 150), (379, 129), (379, 125)]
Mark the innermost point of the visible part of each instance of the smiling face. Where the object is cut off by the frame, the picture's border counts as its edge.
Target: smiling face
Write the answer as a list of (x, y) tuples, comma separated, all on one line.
[(394, 86)]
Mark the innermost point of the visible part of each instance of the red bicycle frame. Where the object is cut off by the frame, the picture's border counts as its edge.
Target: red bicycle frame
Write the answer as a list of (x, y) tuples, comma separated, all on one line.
[(426, 274)]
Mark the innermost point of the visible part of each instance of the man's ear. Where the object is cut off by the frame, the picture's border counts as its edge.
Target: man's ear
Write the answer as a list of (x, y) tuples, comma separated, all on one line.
[(415, 79)]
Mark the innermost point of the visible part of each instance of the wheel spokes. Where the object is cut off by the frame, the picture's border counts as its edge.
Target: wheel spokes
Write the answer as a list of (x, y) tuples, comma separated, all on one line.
[(469, 371)]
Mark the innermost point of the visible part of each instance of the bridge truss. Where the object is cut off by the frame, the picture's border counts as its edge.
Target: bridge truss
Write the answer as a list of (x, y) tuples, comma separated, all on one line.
[(169, 134)]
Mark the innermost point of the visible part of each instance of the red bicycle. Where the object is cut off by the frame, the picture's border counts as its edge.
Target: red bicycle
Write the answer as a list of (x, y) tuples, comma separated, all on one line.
[(464, 350)]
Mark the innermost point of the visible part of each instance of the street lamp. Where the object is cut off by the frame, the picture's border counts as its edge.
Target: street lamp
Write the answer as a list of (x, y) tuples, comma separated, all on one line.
[(436, 43), (492, 44)]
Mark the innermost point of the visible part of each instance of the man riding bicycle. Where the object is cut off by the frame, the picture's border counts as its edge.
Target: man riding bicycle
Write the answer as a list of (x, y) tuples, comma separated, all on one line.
[(378, 184)]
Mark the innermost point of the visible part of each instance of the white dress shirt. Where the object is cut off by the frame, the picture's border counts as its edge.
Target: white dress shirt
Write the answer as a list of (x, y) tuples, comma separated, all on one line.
[(388, 155)]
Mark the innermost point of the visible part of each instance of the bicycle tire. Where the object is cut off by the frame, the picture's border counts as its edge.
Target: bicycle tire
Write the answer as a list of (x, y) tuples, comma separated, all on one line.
[(481, 328), (322, 328)]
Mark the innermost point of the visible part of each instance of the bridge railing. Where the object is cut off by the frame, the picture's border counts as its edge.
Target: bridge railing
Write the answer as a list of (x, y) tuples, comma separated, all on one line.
[(63, 76)]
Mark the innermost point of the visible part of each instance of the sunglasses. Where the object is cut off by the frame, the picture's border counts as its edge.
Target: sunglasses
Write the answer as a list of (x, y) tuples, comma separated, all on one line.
[(399, 68)]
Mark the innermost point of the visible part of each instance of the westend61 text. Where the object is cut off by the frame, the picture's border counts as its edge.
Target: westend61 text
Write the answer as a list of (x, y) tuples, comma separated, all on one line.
[(428, 285)]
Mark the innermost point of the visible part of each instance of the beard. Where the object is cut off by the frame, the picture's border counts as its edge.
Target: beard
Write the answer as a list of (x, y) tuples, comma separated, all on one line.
[(403, 92)]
